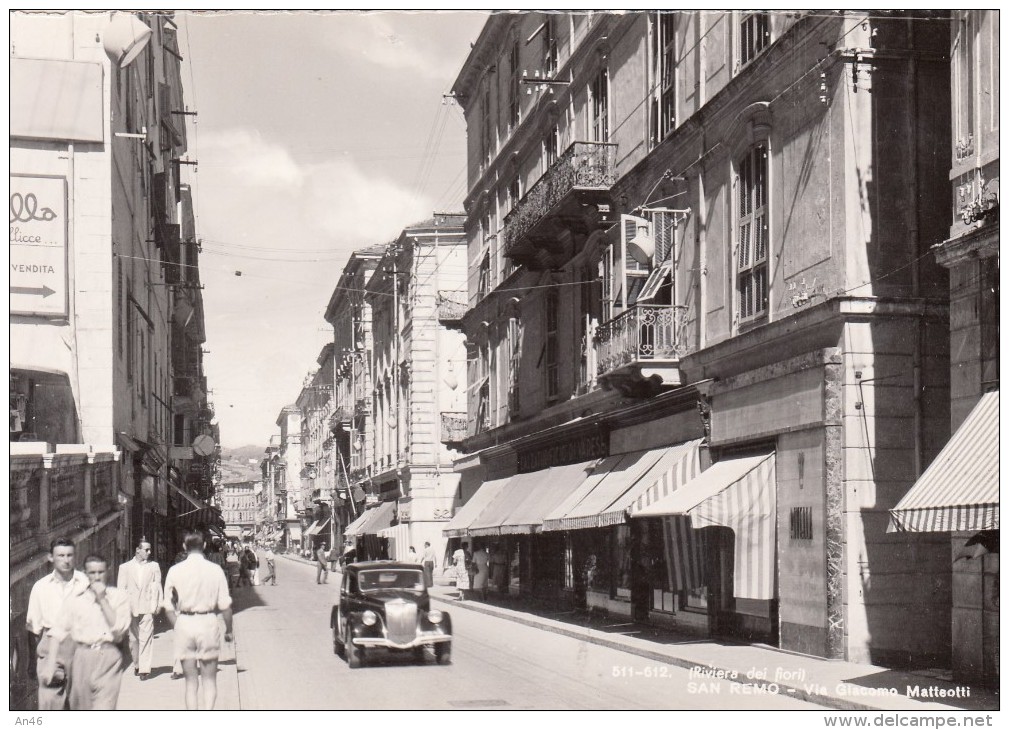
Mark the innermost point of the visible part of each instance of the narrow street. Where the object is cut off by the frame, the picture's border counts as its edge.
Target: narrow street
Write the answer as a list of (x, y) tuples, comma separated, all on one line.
[(286, 661)]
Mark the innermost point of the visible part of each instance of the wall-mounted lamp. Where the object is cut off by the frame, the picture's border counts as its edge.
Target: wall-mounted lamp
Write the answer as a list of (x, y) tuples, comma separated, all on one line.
[(642, 246), (125, 38)]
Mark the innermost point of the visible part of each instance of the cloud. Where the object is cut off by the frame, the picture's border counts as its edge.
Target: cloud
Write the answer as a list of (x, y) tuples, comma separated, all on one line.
[(247, 156)]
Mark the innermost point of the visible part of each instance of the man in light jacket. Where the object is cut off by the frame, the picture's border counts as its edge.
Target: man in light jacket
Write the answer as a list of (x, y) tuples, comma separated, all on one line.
[(140, 578)]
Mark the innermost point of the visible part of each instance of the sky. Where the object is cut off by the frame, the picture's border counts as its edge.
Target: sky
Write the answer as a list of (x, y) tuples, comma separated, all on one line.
[(316, 133)]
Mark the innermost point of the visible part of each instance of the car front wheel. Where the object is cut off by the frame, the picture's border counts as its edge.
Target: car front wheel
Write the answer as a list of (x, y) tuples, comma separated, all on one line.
[(355, 654), (443, 652)]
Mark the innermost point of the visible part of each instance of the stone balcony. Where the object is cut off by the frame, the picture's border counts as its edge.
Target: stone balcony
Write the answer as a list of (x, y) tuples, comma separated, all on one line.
[(570, 196), (639, 350)]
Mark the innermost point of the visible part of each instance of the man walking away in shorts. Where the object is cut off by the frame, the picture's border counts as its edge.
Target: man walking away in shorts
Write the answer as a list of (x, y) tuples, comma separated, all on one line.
[(202, 593), (322, 567)]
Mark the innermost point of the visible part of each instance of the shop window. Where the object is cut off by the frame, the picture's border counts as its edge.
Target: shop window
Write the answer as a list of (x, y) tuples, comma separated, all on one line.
[(754, 35), (569, 560), (621, 558), (752, 234)]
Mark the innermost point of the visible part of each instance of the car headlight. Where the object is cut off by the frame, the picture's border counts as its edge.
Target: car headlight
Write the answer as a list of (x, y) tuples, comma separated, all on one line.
[(434, 616), (368, 618)]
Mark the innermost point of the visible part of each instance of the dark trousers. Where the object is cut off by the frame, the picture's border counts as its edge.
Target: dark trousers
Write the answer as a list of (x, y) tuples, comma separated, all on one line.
[(428, 573)]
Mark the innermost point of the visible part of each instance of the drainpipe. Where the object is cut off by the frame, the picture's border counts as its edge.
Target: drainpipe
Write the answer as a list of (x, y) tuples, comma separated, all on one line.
[(702, 261)]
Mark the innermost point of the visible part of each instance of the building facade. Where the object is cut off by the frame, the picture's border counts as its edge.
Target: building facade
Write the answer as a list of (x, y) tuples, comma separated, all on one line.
[(959, 493), (414, 362), (97, 289), (698, 265), (287, 465), (239, 508)]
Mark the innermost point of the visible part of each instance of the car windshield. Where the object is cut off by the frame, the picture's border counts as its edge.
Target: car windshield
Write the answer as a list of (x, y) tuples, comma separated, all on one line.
[(376, 580)]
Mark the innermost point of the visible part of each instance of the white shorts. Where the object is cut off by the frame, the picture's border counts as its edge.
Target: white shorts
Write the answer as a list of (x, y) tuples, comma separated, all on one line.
[(198, 636)]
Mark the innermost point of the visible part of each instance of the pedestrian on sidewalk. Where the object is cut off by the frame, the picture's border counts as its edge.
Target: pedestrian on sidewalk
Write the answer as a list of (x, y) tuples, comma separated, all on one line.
[(234, 568), (322, 569), (271, 565), (140, 578), (481, 572), (252, 561), (97, 620), (430, 561), (461, 567), (200, 593), (44, 621), (411, 556)]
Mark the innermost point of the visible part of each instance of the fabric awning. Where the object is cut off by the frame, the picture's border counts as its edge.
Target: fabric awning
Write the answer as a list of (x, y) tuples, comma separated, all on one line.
[(294, 531), (373, 520), (460, 522), (959, 491), (311, 528), (555, 484), (518, 488), (678, 466), (317, 527), (608, 488), (399, 541), (740, 494), (355, 526)]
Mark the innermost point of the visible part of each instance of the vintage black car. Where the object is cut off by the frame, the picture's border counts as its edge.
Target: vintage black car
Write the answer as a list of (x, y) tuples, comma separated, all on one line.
[(384, 603)]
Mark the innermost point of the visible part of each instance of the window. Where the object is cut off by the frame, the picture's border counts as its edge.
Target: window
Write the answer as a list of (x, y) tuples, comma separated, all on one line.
[(483, 395), (514, 194), (550, 144), (486, 139), (754, 36), (514, 363), (751, 245), (514, 94), (963, 81), (550, 45), (989, 322), (552, 344), (600, 92), (663, 116), (131, 323)]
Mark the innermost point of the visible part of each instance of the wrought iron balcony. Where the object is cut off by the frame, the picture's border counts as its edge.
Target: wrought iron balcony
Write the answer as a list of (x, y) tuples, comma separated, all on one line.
[(640, 349), (451, 307), (453, 428), (583, 175)]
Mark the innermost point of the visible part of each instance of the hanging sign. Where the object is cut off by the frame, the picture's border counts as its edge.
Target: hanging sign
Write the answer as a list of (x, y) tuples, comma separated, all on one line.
[(38, 245)]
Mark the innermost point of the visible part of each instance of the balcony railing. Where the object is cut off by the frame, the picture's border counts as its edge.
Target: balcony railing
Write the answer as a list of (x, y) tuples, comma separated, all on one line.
[(583, 166), (57, 492), (645, 332), (451, 306), (453, 427)]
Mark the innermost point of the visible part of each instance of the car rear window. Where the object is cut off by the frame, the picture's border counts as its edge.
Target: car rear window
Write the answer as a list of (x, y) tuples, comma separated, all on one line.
[(375, 580)]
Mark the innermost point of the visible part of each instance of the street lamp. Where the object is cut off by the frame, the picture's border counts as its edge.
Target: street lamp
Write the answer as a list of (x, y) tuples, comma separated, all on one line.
[(125, 38)]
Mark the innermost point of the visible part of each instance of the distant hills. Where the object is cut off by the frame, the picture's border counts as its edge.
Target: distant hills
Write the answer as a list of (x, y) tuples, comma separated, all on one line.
[(243, 453)]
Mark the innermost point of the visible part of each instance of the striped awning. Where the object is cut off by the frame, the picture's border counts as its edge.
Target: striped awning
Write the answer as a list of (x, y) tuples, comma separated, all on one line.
[(312, 529), (608, 487), (739, 494), (379, 518), (317, 527), (399, 541), (677, 466), (960, 489), (460, 522)]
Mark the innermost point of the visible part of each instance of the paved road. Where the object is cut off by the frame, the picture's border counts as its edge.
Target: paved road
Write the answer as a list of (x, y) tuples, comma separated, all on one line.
[(286, 661)]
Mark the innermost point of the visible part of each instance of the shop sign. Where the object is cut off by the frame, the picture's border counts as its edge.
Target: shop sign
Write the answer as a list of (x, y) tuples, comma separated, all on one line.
[(38, 245), (571, 450)]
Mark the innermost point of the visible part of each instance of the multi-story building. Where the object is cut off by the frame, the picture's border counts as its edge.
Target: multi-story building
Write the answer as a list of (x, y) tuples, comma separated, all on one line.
[(318, 471), (239, 508), (959, 493), (97, 137), (699, 287), (287, 466), (350, 423), (271, 504), (414, 360)]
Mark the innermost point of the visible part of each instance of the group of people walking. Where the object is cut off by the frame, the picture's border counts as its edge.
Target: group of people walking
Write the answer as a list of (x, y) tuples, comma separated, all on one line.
[(86, 633)]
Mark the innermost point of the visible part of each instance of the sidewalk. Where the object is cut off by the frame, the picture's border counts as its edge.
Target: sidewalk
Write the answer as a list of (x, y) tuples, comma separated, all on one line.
[(161, 692), (835, 684)]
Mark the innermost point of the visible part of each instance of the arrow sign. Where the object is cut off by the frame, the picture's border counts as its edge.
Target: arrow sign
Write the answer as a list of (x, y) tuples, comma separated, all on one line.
[(43, 290)]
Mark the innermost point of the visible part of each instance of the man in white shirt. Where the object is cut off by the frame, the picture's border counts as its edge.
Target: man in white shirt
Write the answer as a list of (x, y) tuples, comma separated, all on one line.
[(141, 579), (196, 591), (44, 621), (97, 620)]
